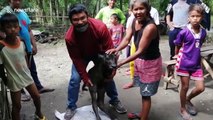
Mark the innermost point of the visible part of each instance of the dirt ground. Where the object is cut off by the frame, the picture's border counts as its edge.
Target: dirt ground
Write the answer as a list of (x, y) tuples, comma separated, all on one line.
[(53, 65)]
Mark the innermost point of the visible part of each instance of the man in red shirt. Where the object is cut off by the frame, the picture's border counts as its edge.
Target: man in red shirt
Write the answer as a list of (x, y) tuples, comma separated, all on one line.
[(85, 39)]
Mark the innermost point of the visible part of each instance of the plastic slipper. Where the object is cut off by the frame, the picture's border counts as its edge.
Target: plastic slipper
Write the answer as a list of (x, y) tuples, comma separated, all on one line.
[(191, 109), (133, 116), (37, 118), (185, 116), (44, 90), (25, 97), (128, 85)]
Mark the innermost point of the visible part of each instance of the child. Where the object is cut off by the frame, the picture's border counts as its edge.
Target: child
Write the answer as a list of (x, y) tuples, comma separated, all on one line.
[(148, 61), (12, 60), (116, 30), (131, 47), (188, 44)]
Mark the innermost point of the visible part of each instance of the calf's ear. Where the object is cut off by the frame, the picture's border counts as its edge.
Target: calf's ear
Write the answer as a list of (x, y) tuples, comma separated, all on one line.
[(101, 56)]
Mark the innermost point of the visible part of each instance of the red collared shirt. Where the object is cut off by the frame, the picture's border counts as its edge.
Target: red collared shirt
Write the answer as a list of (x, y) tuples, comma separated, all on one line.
[(94, 40)]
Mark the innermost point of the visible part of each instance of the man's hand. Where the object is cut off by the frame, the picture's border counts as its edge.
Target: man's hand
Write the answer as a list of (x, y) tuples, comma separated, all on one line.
[(171, 25), (175, 57), (110, 77)]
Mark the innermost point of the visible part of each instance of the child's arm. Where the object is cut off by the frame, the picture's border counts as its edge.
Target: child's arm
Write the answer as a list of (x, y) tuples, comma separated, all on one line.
[(28, 58), (177, 48), (33, 42), (178, 42), (28, 55), (2, 74), (123, 30)]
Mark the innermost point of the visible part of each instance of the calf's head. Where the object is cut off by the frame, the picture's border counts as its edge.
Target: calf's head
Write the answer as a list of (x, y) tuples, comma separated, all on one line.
[(109, 64)]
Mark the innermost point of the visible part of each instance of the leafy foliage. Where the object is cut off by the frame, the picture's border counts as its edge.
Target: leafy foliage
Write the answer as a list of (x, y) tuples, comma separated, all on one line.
[(59, 7)]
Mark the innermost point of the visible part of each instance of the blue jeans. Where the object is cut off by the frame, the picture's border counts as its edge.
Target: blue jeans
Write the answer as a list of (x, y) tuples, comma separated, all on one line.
[(172, 36), (74, 85), (34, 74)]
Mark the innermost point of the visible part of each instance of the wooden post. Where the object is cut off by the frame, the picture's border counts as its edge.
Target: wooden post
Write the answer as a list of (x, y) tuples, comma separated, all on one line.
[(207, 67)]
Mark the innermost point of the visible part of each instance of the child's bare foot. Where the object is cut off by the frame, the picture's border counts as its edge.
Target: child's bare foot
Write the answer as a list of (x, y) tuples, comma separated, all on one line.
[(127, 73), (185, 115), (127, 70), (128, 85)]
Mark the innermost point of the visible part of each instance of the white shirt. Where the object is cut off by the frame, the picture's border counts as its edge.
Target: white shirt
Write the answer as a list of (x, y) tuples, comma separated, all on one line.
[(155, 15)]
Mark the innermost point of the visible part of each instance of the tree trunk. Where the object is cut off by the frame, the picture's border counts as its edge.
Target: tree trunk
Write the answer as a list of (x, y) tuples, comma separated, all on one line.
[(121, 5), (65, 6), (65, 13), (37, 13), (51, 11), (97, 7), (54, 7), (41, 5), (57, 9)]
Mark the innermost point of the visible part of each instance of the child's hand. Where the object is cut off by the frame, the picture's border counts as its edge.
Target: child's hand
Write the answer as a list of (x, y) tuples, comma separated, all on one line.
[(175, 57), (34, 49)]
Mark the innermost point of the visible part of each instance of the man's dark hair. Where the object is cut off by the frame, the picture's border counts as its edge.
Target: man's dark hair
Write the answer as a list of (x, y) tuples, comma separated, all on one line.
[(77, 8), (8, 18), (108, 1)]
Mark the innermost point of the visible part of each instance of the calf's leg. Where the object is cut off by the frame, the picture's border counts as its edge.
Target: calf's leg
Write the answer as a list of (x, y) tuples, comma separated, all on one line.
[(100, 101), (93, 94)]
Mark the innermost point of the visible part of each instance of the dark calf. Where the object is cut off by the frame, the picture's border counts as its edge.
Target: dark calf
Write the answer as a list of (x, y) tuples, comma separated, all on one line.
[(102, 72)]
